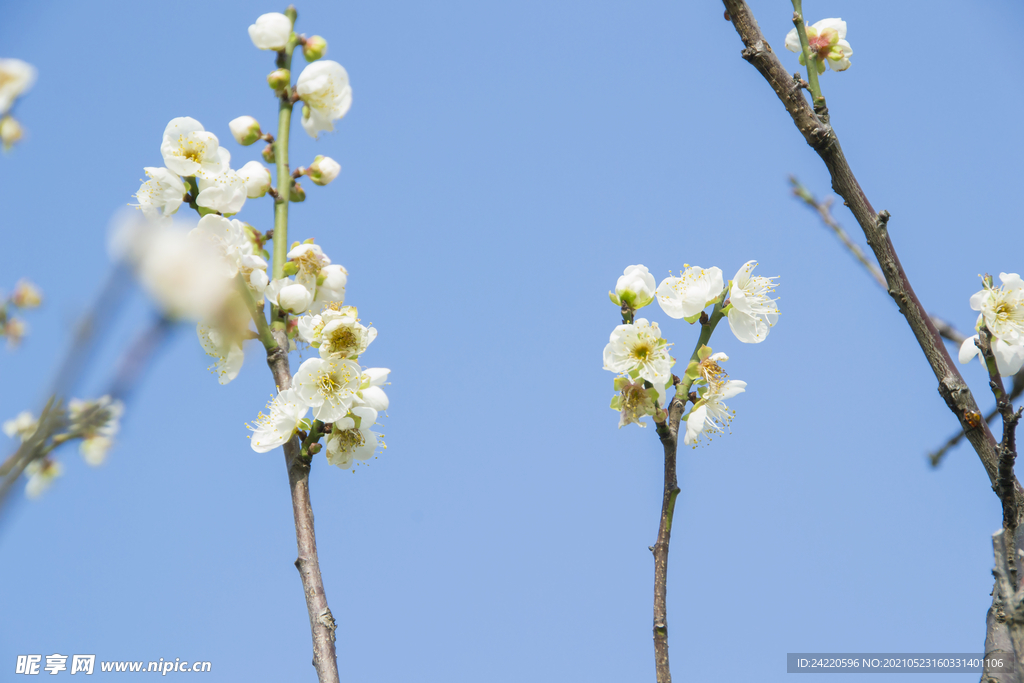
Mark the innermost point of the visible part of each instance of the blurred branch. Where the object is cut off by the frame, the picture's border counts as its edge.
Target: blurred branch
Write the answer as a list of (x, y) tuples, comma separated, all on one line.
[(821, 137)]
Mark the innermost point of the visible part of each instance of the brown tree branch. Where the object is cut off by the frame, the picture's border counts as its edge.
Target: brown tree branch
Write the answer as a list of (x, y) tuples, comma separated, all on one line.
[(822, 138), (668, 431)]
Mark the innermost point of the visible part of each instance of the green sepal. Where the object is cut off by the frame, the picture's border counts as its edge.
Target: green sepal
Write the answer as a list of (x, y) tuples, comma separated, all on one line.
[(704, 352), (692, 371), (291, 268), (203, 211), (615, 299), (304, 424), (693, 318)]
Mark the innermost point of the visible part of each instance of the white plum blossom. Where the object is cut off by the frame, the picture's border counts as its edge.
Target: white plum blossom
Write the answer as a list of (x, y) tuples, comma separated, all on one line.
[(223, 348), (189, 150), (690, 293), (226, 238), (308, 260), (271, 31), (638, 348), (328, 386), (225, 193), (634, 288), (16, 77), (23, 426), (1009, 357), (285, 293), (256, 177), (254, 269), (41, 474), (1002, 308), (351, 438), (96, 423), (331, 288), (635, 400), (323, 170), (370, 393), (827, 40), (336, 332), (751, 312), (710, 414), (324, 87), (160, 197), (245, 130), (279, 424)]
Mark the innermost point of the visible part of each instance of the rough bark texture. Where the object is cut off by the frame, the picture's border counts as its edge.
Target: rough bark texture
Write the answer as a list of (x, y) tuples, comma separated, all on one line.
[(822, 138), (321, 621)]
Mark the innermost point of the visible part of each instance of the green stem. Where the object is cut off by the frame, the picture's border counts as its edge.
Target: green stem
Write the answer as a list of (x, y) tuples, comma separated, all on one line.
[(809, 56), (258, 317), (284, 176), (316, 430), (705, 336)]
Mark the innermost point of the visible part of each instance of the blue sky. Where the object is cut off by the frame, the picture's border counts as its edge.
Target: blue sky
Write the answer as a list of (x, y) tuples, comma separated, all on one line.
[(502, 163)]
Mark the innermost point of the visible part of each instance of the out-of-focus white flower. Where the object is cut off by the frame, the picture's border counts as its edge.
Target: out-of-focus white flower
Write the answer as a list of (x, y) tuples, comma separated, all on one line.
[(328, 386), (225, 193), (323, 170), (254, 270), (10, 131), (279, 424), (23, 426), (635, 400), (224, 237), (15, 330), (185, 277), (690, 293), (96, 423), (752, 312), (634, 288), (826, 39), (189, 150), (324, 87), (256, 177), (285, 293), (16, 77), (351, 438), (1009, 357), (1002, 308), (245, 130), (710, 414), (336, 332), (160, 197), (307, 260), (271, 31), (227, 353), (26, 295), (41, 474), (638, 348), (330, 290)]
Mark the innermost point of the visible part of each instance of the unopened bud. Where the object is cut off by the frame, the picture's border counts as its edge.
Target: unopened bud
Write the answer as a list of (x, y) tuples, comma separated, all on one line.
[(314, 448), (295, 299), (246, 130), (26, 295), (279, 79), (323, 170), (10, 131), (298, 194), (268, 154), (256, 177), (315, 48)]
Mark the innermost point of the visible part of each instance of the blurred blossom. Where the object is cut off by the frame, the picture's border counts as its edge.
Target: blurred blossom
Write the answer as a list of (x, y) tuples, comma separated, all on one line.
[(26, 295), (41, 474), (23, 426), (16, 77)]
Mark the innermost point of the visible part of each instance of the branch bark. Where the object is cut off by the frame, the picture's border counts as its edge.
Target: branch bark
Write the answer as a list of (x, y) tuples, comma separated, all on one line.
[(819, 134), (668, 431)]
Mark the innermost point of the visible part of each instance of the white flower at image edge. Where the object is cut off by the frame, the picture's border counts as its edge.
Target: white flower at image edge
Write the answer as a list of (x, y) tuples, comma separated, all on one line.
[(324, 87), (328, 386), (634, 288), (225, 193), (348, 443), (1002, 308), (639, 347), (189, 150), (277, 426), (271, 31), (690, 293), (827, 39), (710, 414), (160, 197), (752, 312), (16, 77), (1009, 357)]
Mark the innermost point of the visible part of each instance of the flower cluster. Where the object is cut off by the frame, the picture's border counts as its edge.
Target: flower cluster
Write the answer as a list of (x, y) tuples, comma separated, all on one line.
[(16, 77), (637, 352), (1001, 312), (25, 295), (93, 422), (827, 41)]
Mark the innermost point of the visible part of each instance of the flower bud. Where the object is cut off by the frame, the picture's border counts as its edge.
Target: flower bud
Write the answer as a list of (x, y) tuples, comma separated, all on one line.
[(268, 154), (314, 448), (295, 298), (10, 131), (256, 177), (315, 48), (635, 288), (26, 295), (246, 130), (279, 79), (323, 170), (298, 194), (271, 31)]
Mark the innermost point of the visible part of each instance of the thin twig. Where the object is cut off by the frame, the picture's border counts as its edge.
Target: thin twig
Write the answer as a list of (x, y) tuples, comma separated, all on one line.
[(822, 138)]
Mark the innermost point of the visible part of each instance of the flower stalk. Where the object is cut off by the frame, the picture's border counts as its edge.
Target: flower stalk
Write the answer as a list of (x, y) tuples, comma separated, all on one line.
[(809, 55)]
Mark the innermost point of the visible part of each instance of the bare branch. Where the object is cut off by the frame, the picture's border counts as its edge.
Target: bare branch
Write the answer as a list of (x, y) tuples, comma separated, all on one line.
[(668, 432)]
